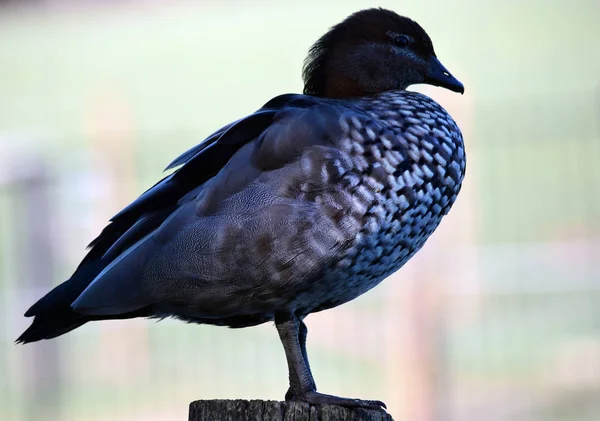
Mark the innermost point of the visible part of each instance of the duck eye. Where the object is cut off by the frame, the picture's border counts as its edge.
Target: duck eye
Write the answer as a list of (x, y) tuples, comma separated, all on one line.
[(401, 41)]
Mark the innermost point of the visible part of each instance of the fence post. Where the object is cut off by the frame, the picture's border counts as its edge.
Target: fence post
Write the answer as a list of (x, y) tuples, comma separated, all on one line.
[(30, 184), (257, 410)]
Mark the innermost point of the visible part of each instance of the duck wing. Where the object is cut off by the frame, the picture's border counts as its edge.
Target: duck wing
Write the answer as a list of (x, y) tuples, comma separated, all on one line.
[(245, 240), (53, 313)]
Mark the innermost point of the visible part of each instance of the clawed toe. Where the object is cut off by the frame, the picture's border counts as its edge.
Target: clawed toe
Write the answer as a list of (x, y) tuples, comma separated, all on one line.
[(316, 398)]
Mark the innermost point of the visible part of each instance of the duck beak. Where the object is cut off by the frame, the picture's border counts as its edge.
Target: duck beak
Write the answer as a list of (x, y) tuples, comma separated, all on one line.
[(437, 75)]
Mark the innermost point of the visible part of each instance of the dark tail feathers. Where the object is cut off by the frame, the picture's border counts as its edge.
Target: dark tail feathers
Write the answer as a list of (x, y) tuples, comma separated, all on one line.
[(48, 326), (53, 313), (60, 321)]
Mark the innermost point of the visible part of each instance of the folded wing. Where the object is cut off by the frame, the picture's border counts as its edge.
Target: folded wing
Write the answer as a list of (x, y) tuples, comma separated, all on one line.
[(210, 175), (53, 313), (244, 241)]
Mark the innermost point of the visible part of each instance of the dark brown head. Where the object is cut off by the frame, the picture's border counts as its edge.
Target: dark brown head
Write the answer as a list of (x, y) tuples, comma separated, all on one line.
[(373, 51)]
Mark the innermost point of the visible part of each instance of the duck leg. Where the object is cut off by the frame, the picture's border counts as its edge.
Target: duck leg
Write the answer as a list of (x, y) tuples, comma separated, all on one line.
[(292, 332)]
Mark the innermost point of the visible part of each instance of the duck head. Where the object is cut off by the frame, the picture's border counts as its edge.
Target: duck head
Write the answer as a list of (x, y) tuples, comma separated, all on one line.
[(373, 51)]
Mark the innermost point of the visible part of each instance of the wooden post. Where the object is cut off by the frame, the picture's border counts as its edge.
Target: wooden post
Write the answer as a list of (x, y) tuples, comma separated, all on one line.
[(255, 410)]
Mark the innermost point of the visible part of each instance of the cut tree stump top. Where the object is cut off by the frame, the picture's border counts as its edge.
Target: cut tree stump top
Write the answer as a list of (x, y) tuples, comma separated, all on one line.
[(255, 410)]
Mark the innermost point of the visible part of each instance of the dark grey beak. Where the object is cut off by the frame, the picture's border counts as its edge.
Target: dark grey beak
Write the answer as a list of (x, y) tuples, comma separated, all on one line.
[(437, 75)]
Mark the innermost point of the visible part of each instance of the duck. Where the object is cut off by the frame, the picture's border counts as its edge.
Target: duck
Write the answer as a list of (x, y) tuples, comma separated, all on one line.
[(302, 206)]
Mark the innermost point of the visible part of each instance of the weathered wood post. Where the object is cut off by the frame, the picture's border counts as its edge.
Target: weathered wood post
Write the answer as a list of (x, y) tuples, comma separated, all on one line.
[(256, 410)]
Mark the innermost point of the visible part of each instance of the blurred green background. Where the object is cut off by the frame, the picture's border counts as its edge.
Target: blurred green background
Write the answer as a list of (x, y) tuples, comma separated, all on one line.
[(498, 317)]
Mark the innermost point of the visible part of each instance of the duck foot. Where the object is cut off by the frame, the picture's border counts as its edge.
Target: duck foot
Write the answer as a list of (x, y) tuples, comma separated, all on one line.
[(316, 398)]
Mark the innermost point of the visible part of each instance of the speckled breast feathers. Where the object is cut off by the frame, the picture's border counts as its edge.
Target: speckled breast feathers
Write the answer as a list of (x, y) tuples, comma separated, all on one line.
[(400, 168)]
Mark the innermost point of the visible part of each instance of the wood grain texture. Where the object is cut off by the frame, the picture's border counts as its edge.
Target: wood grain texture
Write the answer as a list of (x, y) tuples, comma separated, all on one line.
[(256, 410)]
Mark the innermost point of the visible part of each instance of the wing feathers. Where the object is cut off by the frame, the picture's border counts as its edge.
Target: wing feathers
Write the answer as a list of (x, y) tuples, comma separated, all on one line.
[(116, 290), (107, 282)]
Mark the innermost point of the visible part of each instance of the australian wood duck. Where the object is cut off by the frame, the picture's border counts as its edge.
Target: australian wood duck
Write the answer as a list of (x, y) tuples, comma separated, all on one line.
[(302, 206)]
